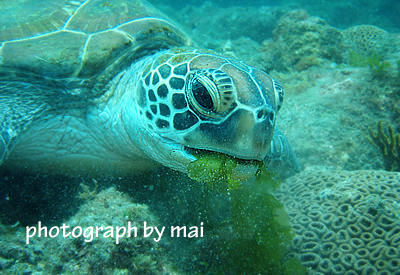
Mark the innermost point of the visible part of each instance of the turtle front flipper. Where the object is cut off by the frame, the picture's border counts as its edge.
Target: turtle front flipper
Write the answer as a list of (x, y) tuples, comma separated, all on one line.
[(281, 159), (19, 106)]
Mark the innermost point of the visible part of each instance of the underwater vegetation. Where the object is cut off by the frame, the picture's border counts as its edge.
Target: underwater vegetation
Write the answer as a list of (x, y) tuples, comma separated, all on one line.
[(262, 235), (379, 68), (215, 169), (260, 232), (389, 145), (398, 70)]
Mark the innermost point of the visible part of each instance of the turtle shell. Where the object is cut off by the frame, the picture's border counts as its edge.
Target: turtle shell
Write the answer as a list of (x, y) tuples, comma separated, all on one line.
[(79, 43)]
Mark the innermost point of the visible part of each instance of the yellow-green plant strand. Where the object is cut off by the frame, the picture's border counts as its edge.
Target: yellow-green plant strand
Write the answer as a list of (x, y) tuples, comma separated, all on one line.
[(389, 146), (260, 232), (377, 65)]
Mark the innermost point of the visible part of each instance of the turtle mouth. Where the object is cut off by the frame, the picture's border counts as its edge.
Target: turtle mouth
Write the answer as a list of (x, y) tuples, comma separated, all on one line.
[(197, 153), (211, 166)]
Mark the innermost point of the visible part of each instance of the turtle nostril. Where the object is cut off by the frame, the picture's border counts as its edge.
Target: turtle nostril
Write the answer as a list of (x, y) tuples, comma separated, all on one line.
[(261, 114), (271, 117), (266, 114)]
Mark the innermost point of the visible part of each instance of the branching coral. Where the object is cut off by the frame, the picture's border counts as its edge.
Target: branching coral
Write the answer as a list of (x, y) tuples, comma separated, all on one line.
[(389, 146)]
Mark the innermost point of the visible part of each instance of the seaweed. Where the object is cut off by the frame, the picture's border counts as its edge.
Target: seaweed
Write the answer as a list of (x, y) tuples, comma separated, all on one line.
[(263, 233), (258, 232), (389, 145), (378, 66), (215, 169), (376, 63), (358, 60), (398, 69)]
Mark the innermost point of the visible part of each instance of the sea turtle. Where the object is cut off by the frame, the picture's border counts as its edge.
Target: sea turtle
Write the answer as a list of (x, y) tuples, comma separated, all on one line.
[(113, 86)]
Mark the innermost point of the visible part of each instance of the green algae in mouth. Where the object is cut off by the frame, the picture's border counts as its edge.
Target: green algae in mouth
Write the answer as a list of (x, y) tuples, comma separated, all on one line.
[(259, 228), (219, 170)]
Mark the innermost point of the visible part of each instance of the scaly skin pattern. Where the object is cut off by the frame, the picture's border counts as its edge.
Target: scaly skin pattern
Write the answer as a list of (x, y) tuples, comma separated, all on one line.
[(200, 100), (156, 111)]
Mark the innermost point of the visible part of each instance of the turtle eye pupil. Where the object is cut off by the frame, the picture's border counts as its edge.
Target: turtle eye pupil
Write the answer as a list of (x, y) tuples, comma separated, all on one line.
[(202, 96)]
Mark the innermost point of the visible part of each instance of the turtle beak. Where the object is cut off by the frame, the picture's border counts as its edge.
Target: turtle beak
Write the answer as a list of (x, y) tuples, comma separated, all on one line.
[(166, 151), (180, 159)]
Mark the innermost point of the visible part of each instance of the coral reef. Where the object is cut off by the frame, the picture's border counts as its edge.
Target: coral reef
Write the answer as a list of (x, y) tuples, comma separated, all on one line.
[(15, 258), (110, 208), (336, 107), (345, 221), (389, 145), (367, 39), (60, 255), (301, 41)]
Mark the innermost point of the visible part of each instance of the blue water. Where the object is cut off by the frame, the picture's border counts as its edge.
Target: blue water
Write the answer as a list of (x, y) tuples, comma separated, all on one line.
[(338, 13)]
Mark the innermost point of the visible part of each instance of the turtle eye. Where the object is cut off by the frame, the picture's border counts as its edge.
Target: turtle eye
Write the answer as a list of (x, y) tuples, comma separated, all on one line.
[(202, 96), (210, 93)]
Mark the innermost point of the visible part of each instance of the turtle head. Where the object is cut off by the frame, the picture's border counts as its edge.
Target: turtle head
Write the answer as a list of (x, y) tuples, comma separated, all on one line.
[(202, 101)]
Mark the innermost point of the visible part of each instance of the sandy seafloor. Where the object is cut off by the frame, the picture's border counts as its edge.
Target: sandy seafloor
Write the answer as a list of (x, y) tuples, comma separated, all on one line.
[(343, 206)]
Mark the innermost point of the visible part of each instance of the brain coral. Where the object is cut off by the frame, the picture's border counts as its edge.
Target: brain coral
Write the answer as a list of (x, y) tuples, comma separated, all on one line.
[(345, 222), (366, 39)]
